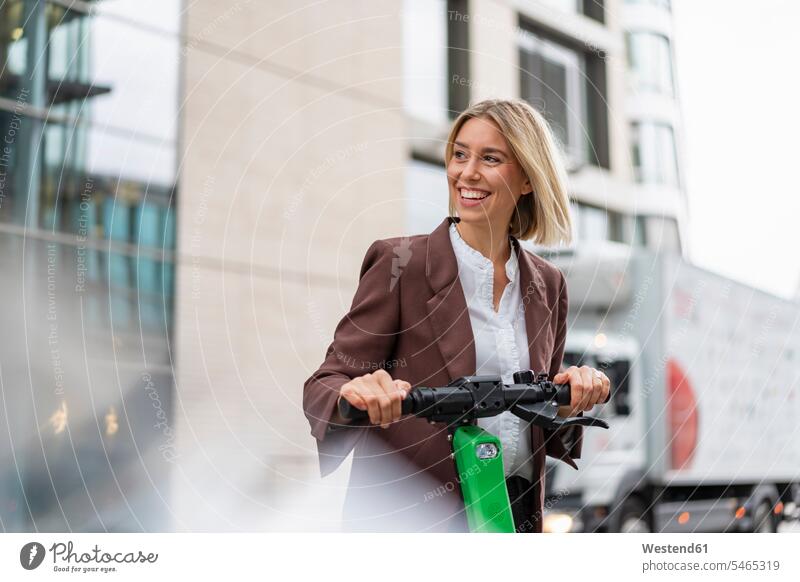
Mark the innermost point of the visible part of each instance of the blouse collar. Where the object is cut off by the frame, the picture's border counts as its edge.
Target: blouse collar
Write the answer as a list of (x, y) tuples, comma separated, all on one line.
[(475, 260)]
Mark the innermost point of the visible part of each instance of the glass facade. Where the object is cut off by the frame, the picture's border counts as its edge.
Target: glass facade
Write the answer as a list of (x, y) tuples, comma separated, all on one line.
[(88, 166)]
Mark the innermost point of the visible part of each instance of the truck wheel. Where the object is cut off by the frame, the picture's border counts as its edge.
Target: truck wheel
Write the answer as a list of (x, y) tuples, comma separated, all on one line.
[(633, 518), (763, 520)]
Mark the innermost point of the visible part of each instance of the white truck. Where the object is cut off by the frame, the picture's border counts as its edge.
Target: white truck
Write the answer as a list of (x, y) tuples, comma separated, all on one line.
[(705, 411)]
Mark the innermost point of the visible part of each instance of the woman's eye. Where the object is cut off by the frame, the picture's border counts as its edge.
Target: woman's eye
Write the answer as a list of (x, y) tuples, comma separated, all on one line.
[(459, 155), (491, 159)]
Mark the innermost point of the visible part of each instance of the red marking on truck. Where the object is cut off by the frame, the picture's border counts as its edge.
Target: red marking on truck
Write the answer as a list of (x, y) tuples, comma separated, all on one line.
[(683, 421)]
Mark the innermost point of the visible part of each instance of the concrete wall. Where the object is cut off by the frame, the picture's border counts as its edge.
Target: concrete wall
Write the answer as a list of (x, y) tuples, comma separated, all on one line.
[(292, 165)]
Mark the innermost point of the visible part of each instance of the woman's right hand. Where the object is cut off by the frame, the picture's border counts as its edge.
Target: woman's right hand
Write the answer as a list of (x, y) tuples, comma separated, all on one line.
[(378, 394)]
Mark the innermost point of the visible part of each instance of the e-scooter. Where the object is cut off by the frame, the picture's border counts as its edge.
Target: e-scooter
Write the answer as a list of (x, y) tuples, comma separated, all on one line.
[(477, 453)]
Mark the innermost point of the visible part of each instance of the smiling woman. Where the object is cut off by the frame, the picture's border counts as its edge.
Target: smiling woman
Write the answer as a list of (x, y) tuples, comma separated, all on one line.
[(505, 148), (463, 300)]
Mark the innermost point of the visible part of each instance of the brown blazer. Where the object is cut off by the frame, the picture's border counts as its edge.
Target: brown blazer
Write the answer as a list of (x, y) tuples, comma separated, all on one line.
[(409, 316)]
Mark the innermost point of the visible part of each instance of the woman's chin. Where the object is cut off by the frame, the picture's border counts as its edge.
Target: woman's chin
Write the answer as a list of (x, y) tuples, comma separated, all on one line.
[(473, 213)]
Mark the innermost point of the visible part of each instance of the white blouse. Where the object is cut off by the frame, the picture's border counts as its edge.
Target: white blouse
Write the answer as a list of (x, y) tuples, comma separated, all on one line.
[(501, 344)]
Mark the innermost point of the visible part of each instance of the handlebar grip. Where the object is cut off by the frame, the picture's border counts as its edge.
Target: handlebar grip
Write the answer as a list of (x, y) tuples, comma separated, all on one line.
[(564, 396), (350, 412)]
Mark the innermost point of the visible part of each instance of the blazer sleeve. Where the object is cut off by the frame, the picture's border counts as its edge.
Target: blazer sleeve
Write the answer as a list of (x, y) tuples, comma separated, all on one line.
[(563, 443), (363, 341)]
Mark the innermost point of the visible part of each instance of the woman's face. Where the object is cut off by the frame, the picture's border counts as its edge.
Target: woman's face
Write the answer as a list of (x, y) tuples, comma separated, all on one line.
[(485, 180)]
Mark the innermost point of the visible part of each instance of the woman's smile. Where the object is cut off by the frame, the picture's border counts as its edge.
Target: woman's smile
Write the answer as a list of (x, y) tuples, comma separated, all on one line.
[(469, 197)]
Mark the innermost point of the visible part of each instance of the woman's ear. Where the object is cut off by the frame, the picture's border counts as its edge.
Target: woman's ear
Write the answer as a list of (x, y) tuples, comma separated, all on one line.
[(527, 188)]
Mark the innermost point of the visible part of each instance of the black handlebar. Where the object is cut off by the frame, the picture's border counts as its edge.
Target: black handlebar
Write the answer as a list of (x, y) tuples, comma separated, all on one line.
[(472, 397)]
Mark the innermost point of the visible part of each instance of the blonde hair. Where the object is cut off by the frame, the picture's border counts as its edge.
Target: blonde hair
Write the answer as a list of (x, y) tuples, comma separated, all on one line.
[(544, 215)]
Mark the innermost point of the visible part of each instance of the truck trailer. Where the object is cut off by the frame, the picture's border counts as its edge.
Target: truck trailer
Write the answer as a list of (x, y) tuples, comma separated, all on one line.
[(705, 407)]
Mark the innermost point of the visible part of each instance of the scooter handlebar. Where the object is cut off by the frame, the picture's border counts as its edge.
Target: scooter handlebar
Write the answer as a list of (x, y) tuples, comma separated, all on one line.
[(413, 403)]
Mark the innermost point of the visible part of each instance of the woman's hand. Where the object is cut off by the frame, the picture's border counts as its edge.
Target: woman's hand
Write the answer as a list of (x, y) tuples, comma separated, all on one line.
[(588, 387), (378, 394)]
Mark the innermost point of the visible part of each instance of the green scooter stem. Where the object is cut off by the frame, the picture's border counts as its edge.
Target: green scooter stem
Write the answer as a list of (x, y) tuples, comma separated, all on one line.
[(479, 463)]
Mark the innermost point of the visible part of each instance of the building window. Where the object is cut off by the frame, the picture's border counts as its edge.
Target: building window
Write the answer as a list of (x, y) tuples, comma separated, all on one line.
[(551, 80), (436, 59), (662, 234), (650, 62), (591, 8), (593, 224), (565, 5), (458, 70), (425, 59), (665, 4), (427, 196), (616, 227), (653, 153), (639, 234), (568, 85), (657, 233)]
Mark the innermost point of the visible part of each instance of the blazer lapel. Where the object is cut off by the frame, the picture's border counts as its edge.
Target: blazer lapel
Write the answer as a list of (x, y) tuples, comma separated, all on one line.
[(537, 311), (447, 309)]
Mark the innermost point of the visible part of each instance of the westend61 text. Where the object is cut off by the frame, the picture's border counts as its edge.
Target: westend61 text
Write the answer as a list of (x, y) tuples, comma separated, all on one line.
[(671, 549)]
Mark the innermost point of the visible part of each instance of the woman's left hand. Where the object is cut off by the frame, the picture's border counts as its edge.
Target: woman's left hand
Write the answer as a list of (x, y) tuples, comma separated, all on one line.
[(588, 387)]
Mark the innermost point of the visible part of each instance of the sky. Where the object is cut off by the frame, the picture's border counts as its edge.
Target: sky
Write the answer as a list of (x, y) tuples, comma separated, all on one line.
[(739, 84)]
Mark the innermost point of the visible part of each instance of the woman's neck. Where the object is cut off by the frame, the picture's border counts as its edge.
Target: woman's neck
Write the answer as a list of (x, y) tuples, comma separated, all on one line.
[(489, 241)]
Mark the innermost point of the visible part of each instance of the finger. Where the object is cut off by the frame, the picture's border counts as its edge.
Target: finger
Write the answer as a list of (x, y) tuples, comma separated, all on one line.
[(606, 389), (349, 393), (584, 380), (564, 376), (404, 386), (396, 395), (576, 391), (381, 402), (597, 389), (386, 394), (603, 387), (367, 392), (372, 394), (588, 386)]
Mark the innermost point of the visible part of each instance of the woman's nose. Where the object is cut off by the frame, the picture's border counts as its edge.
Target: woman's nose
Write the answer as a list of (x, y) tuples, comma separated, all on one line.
[(471, 169)]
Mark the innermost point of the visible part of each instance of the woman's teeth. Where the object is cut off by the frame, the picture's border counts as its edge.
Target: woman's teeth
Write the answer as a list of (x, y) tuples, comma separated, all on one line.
[(474, 194)]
